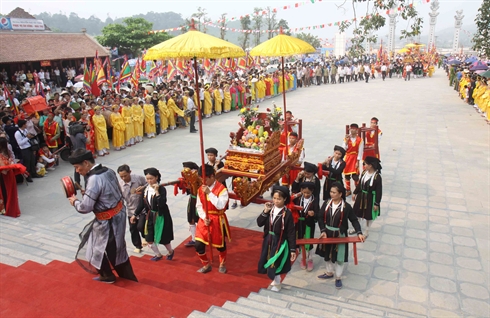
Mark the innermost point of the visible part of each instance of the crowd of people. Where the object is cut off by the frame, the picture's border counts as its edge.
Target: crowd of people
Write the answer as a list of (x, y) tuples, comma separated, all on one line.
[(472, 88), (86, 124)]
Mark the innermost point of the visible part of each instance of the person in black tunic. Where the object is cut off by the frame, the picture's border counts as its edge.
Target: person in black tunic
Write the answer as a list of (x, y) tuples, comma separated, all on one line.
[(335, 166), (368, 193), (305, 226), (192, 216), (279, 245), (308, 175), (158, 225), (333, 222)]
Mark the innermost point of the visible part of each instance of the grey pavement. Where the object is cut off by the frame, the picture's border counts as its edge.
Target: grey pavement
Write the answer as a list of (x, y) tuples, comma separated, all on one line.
[(427, 254)]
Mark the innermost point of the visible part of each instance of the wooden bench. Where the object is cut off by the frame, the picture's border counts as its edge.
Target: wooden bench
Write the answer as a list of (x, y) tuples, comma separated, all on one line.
[(334, 240)]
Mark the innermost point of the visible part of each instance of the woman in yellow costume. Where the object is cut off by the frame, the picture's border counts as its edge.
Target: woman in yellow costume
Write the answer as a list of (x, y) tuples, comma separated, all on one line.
[(261, 89), (290, 81), (227, 98), (208, 103), (164, 114), (127, 114), (462, 83), (174, 110), (217, 100), (118, 128), (150, 124), (431, 70), (485, 100), (100, 130), (138, 120)]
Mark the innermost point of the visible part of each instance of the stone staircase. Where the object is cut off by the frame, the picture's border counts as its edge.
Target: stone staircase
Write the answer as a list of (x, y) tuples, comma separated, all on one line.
[(297, 302)]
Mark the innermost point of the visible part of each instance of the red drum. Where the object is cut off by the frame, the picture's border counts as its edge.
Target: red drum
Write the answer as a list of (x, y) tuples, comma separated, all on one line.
[(68, 186)]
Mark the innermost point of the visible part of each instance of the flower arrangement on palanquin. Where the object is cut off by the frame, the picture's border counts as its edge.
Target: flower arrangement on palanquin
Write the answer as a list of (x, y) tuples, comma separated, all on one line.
[(254, 147)]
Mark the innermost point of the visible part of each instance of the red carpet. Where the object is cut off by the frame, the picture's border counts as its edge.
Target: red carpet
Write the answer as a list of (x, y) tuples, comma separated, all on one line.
[(165, 288)]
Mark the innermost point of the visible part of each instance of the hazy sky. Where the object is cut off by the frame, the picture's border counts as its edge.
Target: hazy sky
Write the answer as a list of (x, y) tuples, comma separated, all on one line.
[(322, 12)]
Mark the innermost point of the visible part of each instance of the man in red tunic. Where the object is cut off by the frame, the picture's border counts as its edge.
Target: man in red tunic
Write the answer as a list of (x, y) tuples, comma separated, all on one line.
[(51, 132), (371, 141), (212, 226), (353, 153)]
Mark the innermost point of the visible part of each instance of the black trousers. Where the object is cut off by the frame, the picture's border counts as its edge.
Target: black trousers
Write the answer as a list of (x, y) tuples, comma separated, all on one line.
[(383, 75), (29, 160), (366, 75), (135, 234), (124, 270), (201, 247), (192, 123)]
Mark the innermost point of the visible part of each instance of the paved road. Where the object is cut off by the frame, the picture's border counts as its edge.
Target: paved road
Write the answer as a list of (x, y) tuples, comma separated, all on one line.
[(427, 253)]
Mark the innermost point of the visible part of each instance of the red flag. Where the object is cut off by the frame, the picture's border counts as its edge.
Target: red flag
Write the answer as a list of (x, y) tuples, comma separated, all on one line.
[(8, 98), (207, 65), (108, 72), (135, 77), (86, 77), (171, 70), (242, 63)]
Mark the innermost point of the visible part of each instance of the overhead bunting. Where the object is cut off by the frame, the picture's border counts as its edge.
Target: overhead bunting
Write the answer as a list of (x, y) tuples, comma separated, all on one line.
[(291, 30)]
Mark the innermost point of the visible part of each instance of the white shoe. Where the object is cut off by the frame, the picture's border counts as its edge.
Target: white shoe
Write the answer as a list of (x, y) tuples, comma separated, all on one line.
[(50, 169), (276, 288), (137, 250)]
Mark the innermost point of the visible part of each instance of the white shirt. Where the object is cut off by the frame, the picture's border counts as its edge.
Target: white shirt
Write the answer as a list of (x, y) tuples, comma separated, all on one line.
[(218, 201), (57, 72), (383, 68)]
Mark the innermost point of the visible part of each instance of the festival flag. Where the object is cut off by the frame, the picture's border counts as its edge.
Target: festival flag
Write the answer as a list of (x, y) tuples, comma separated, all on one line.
[(95, 90), (207, 65), (380, 52), (108, 74), (135, 77), (9, 100), (250, 61), (171, 70), (143, 64), (242, 63), (153, 70), (125, 74), (86, 77), (220, 65), (101, 77)]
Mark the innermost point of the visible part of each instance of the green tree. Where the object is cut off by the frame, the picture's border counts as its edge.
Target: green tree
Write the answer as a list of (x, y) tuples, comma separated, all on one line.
[(200, 16), (270, 22), (481, 39), (258, 21), (222, 31), (365, 29), (131, 36), (245, 22), (309, 38), (284, 25)]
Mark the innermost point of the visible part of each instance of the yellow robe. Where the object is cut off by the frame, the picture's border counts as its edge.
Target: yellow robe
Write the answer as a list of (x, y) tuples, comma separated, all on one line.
[(253, 89), (291, 81), (164, 114), (174, 110), (217, 101), (261, 89), (227, 99), (486, 103), (127, 114), (462, 89), (100, 130), (431, 70), (138, 120), (150, 125), (208, 104), (184, 102), (118, 128), (279, 89)]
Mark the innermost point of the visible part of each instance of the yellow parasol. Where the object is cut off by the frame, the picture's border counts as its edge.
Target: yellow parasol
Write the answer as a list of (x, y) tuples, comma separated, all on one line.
[(282, 45), (404, 50), (415, 45), (192, 45)]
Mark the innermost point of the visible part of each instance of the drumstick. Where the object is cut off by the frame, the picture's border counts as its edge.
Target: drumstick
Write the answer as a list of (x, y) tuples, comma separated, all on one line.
[(79, 187)]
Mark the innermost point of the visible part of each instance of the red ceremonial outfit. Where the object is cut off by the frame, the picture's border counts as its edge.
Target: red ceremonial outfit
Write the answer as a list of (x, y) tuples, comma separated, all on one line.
[(370, 142), (287, 180), (9, 200), (48, 155), (90, 135), (218, 220), (50, 129), (351, 154)]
